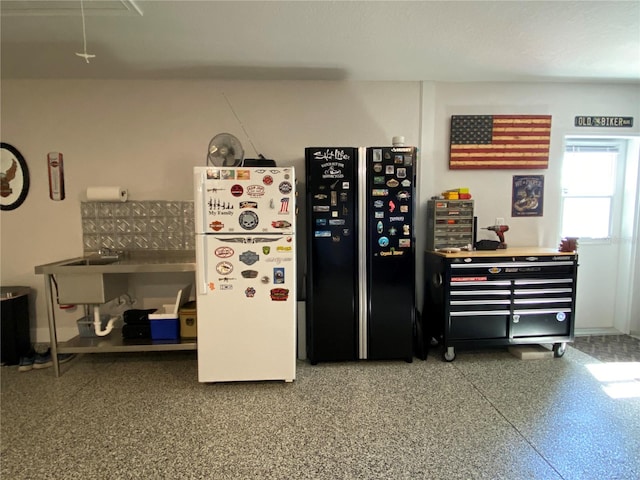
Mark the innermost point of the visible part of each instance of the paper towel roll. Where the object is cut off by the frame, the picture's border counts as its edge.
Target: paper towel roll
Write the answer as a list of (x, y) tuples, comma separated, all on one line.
[(107, 194)]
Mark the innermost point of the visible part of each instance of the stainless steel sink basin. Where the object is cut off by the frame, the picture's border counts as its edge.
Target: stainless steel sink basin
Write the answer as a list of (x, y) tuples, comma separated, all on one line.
[(79, 286), (91, 261)]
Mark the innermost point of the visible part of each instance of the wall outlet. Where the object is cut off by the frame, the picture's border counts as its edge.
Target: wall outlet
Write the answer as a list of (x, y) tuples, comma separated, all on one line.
[(499, 221)]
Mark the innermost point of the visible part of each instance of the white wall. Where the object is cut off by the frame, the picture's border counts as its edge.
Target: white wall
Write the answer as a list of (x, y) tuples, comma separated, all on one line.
[(147, 135)]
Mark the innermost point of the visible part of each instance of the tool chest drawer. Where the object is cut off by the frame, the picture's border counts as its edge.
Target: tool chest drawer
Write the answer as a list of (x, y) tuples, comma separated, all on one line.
[(474, 300)]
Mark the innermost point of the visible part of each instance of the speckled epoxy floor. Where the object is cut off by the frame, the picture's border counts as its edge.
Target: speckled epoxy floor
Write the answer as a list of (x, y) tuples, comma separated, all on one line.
[(487, 415)]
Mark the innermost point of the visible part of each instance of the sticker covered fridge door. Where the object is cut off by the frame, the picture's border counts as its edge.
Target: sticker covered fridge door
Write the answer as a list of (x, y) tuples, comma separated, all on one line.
[(246, 294)]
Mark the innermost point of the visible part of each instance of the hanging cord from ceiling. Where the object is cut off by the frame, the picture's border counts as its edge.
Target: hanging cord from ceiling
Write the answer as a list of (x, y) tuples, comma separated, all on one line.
[(84, 55)]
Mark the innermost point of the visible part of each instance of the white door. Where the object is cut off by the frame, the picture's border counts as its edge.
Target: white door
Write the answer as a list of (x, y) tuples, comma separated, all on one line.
[(599, 182), (246, 301)]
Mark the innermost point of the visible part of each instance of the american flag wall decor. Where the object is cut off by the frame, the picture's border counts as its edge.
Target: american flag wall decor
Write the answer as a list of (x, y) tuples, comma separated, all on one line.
[(499, 141)]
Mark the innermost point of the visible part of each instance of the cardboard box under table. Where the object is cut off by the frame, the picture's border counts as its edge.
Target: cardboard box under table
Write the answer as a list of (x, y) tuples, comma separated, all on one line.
[(188, 320), (165, 323)]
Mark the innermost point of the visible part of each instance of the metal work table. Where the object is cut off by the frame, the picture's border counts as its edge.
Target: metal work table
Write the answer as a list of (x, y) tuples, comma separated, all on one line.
[(132, 262)]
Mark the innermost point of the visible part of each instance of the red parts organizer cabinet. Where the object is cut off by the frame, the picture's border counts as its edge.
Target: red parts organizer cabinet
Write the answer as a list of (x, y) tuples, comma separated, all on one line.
[(492, 298)]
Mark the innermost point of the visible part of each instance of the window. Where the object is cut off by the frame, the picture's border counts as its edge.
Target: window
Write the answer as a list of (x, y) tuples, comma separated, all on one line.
[(589, 176)]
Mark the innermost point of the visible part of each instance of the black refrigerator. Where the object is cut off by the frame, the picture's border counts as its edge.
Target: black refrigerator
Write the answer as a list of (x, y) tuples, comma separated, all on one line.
[(360, 278)]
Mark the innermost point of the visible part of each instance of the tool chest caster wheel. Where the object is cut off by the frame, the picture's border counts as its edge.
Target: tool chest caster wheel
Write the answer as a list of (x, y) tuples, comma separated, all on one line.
[(559, 349), (449, 354)]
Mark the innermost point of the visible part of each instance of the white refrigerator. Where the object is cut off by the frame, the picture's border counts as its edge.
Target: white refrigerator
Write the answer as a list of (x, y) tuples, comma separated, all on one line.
[(245, 273)]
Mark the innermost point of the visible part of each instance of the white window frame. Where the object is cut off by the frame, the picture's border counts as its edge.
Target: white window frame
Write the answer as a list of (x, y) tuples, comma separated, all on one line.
[(599, 144)]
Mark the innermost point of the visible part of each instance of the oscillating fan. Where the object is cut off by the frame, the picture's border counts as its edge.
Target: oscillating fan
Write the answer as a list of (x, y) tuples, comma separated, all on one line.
[(225, 150)]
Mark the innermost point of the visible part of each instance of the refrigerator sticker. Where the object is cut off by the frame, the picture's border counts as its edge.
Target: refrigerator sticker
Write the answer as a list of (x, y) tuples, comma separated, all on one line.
[(267, 180), (393, 183), (249, 257), (393, 231), (228, 174), (226, 286), (322, 233), (380, 227), (339, 221), (320, 196), (321, 222), (378, 180), (397, 219), (213, 174), (408, 160), (332, 170), (216, 226), (404, 243), (211, 286), (219, 207), (284, 206), (334, 214), (406, 183), (346, 232), (377, 167), (392, 206), (403, 195), (243, 174), (378, 214), (334, 198), (335, 238), (389, 169), (248, 220), (329, 154), (404, 208), (278, 276), (378, 204), (392, 253), (380, 192), (264, 279), (280, 224), (250, 292), (321, 208), (255, 190), (279, 294), (249, 273), (266, 250), (401, 172), (398, 159), (224, 268), (406, 230), (377, 155), (285, 188), (281, 248), (383, 242), (237, 190), (343, 197), (247, 204), (345, 185), (223, 252)]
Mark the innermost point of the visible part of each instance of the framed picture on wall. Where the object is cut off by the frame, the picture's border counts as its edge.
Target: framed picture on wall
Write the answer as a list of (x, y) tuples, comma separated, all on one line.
[(14, 177), (528, 196)]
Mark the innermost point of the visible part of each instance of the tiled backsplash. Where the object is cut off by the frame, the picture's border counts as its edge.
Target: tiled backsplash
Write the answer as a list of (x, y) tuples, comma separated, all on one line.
[(145, 225)]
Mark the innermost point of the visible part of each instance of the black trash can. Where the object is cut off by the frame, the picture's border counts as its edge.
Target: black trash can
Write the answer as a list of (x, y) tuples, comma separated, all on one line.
[(14, 314)]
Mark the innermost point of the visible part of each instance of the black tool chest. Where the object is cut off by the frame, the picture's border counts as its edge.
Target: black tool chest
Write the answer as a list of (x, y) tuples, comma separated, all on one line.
[(503, 297)]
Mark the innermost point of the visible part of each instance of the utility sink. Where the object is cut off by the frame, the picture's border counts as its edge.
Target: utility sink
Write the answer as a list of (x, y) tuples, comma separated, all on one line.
[(79, 286), (91, 261)]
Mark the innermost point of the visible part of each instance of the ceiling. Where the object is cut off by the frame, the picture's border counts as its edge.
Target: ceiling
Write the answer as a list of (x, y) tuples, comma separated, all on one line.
[(583, 41)]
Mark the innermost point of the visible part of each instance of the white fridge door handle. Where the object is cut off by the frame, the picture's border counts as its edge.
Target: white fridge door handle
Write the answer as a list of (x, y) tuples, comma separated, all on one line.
[(201, 199), (201, 265)]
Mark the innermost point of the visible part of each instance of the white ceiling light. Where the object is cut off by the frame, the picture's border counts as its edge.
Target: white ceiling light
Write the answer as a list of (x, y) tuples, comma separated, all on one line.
[(69, 8)]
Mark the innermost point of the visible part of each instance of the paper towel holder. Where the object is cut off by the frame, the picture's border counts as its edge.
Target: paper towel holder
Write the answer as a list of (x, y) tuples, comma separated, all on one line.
[(107, 194)]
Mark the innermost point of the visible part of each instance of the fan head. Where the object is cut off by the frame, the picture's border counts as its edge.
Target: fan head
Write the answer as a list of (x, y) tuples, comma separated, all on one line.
[(225, 150)]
